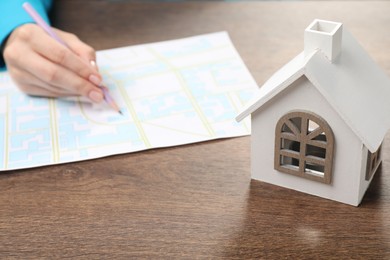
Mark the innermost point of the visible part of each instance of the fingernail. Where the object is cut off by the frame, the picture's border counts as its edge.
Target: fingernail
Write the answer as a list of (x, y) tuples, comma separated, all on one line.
[(95, 80), (94, 64), (95, 96)]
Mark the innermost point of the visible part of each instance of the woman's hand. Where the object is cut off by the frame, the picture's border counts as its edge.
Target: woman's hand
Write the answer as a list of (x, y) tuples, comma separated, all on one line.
[(41, 66)]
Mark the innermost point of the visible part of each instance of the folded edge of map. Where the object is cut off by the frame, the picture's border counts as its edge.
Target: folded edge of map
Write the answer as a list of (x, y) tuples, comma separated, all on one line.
[(171, 93)]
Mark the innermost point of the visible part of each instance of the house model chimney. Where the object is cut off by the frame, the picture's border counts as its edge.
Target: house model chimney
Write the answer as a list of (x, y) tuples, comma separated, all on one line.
[(323, 35)]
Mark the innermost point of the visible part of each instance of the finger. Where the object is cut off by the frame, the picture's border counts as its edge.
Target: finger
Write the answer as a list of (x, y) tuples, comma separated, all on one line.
[(61, 77), (65, 57), (83, 50)]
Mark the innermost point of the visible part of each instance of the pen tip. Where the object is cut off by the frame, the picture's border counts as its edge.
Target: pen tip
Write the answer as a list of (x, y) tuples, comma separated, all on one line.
[(120, 112)]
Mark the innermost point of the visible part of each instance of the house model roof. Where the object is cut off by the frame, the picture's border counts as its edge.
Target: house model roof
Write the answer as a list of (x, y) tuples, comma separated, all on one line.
[(341, 70)]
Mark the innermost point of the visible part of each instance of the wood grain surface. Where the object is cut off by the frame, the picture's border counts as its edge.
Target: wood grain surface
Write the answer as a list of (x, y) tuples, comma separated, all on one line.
[(196, 201)]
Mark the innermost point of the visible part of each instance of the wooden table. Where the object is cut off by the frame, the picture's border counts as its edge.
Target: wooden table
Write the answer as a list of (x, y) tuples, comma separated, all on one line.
[(195, 201)]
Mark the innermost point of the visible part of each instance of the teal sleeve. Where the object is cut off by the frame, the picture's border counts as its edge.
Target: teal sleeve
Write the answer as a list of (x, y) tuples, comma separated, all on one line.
[(13, 15)]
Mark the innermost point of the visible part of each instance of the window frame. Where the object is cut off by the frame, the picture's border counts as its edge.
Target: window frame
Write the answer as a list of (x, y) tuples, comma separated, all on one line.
[(373, 162), (304, 138)]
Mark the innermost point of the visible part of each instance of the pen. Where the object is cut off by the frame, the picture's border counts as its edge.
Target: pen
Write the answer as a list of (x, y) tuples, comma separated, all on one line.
[(40, 22)]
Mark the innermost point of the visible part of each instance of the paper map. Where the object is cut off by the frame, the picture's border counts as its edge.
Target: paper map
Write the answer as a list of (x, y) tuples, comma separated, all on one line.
[(171, 93)]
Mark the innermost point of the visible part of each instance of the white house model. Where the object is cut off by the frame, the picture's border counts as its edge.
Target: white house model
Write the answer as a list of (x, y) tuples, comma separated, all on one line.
[(318, 123)]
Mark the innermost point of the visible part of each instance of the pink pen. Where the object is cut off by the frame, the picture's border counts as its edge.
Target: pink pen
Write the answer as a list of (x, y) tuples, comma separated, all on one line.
[(40, 22)]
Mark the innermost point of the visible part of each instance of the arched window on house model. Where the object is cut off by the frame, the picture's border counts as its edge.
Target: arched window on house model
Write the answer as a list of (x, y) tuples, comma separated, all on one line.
[(304, 146)]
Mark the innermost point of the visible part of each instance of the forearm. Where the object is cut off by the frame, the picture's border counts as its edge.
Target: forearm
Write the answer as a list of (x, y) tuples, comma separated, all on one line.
[(13, 15)]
